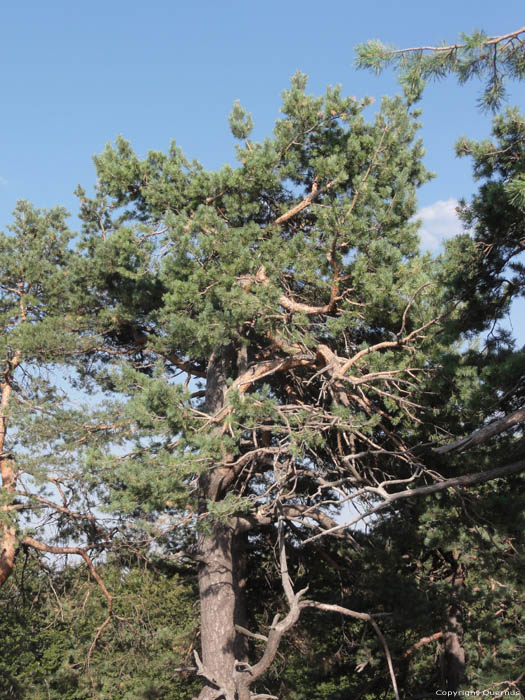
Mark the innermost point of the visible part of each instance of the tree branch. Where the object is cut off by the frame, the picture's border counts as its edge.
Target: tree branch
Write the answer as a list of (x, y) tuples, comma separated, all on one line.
[(252, 635), (314, 194), (359, 616), (481, 435), (453, 47), (466, 480), (424, 640), (245, 523), (40, 546), (400, 342), (300, 308), (278, 629)]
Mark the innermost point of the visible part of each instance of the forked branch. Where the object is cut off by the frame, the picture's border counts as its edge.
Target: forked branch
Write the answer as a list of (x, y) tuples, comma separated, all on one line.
[(309, 199)]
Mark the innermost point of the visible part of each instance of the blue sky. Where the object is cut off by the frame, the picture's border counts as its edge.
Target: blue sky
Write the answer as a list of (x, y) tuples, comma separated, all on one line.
[(74, 75)]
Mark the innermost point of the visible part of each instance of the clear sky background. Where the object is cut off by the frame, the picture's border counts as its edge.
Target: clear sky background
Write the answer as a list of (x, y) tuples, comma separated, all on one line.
[(74, 75)]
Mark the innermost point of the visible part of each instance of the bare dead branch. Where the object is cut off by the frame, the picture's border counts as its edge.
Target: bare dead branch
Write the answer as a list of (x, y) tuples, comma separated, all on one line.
[(202, 671), (424, 640), (400, 342), (278, 629), (359, 616), (285, 577), (252, 635), (40, 546), (297, 512), (407, 307)]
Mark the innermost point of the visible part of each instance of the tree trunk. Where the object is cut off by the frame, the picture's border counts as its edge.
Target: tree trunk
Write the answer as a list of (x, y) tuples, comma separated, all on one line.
[(8, 539), (454, 656), (217, 603), (8, 546), (220, 584)]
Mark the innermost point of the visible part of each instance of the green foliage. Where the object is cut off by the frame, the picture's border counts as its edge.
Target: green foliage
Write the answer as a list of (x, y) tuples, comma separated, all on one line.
[(192, 267), (269, 337), (240, 121), (170, 264), (490, 59), (50, 620), (495, 215), (35, 287)]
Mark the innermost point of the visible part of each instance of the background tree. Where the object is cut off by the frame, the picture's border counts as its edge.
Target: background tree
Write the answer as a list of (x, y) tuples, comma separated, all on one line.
[(34, 259), (46, 502), (495, 215), (484, 270)]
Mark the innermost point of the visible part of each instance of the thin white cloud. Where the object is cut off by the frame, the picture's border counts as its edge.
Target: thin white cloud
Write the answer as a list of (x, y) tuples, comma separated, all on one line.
[(3, 181), (439, 221)]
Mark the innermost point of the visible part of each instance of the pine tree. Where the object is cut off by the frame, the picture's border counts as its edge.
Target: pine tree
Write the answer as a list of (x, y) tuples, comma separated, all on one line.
[(34, 260), (290, 295), (46, 499), (484, 272)]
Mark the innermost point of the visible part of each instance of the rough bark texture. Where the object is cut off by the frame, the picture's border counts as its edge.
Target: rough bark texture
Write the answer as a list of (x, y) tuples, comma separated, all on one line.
[(8, 540), (8, 551), (218, 587), (8, 543), (454, 658), (217, 603)]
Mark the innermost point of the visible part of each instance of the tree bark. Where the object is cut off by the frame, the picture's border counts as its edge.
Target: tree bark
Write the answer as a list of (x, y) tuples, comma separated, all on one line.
[(220, 581), (239, 570), (454, 657), (8, 546), (217, 604), (8, 540)]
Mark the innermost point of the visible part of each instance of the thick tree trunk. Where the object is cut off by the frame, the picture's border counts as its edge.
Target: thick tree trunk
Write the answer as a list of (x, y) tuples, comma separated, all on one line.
[(8, 542), (8, 547), (221, 573), (8, 539), (217, 603), (240, 565)]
